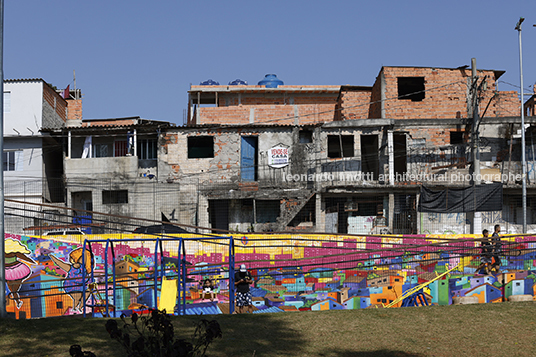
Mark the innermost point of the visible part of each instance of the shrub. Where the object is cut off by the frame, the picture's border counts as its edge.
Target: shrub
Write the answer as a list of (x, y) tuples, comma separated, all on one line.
[(153, 335), (76, 351)]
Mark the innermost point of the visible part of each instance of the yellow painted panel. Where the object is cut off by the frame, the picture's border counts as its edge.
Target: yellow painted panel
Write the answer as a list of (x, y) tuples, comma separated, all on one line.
[(168, 295)]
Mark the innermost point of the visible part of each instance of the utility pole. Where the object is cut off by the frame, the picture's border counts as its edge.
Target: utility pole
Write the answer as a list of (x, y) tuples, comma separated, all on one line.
[(523, 161), (3, 311), (474, 134), (476, 178)]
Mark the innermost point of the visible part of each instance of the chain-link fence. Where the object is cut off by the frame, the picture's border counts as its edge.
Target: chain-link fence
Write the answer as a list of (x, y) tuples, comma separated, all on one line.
[(118, 271)]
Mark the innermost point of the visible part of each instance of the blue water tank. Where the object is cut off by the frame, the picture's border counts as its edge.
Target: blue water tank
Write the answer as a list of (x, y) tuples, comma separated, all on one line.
[(271, 81), (237, 82), (209, 82)]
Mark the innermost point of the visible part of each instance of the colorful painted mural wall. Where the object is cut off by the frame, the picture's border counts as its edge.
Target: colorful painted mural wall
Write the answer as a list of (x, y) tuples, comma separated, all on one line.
[(45, 275)]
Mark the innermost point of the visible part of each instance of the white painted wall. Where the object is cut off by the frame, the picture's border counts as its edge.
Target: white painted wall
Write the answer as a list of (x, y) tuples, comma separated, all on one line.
[(24, 111), (23, 103), (26, 180)]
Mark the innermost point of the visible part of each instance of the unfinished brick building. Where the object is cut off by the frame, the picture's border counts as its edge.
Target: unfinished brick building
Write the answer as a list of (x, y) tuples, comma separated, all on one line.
[(347, 159)]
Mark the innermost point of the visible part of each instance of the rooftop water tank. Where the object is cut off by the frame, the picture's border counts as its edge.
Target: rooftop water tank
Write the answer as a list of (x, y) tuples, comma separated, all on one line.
[(209, 82), (237, 82), (271, 81)]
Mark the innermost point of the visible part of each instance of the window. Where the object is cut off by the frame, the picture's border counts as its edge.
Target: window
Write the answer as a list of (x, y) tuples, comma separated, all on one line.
[(147, 149), (13, 160), (267, 210), (306, 137), (7, 102), (200, 147), (100, 150), (114, 196), (340, 146), (59, 305), (369, 156), (246, 204), (456, 137), (400, 156), (411, 88)]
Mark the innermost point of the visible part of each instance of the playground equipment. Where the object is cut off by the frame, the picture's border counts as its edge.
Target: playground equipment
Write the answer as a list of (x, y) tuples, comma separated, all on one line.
[(99, 305), (168, 292), (415, 299), (168, 295), (417, 290)]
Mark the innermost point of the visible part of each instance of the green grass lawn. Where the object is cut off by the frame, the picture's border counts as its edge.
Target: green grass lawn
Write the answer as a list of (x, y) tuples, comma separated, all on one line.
[(506, 329)]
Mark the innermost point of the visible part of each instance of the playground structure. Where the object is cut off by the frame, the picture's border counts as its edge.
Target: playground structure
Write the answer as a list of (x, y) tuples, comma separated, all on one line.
[(291, 272), (414, 296)]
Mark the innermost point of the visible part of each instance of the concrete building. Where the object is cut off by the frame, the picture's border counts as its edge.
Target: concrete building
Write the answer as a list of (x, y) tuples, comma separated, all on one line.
[(336, 159), (32, 158), (347, 159), (110, 166)]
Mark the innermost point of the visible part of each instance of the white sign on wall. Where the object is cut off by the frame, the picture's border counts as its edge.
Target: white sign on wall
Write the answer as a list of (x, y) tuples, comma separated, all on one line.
[(278, 157)]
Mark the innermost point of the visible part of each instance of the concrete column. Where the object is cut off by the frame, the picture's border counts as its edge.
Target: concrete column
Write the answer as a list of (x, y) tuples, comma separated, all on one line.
[(135, 143), (391, 212), (390, 151), (202, 212), (69, 144), (252, 115), (476, 222), (197, 120), (419, 214), (320, 213), (191, 109)]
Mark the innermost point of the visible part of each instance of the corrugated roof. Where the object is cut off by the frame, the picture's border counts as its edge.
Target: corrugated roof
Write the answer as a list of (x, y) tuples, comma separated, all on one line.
[(25, 80), (114, 123)]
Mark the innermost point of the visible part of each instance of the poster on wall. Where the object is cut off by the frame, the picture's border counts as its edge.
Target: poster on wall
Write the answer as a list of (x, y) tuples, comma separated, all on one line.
[(278, 157)]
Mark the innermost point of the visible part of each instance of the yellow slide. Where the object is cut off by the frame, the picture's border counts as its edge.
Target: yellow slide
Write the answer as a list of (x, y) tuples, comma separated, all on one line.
[(168, 295)]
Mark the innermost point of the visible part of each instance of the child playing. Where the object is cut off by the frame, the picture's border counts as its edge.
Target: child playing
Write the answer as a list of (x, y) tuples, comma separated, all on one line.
[(208, 288)]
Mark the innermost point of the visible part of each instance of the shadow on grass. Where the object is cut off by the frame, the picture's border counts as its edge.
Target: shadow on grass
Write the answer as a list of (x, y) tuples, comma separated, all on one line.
[(54, 336), (243, 335), (257, 334), (377, 353)]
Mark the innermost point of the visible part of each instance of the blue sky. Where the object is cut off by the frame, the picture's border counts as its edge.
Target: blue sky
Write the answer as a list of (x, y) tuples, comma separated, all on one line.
[(138, 58)]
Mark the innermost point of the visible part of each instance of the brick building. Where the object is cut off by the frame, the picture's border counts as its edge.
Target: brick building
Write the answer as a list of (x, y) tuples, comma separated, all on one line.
[(355, 157), (276, 157)]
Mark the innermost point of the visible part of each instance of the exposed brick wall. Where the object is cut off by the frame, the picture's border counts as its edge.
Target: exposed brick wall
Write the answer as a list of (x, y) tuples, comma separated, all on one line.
[(74, 109), (505, 104), (274, 107), (445, 96), (375, 98), (273, 114), (55, 101), (434, 136), (355, 104)]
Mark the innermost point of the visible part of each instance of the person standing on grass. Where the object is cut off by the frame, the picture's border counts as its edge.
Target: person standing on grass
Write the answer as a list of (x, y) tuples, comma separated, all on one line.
[(243, 295), (485, 257), (497, 248)]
